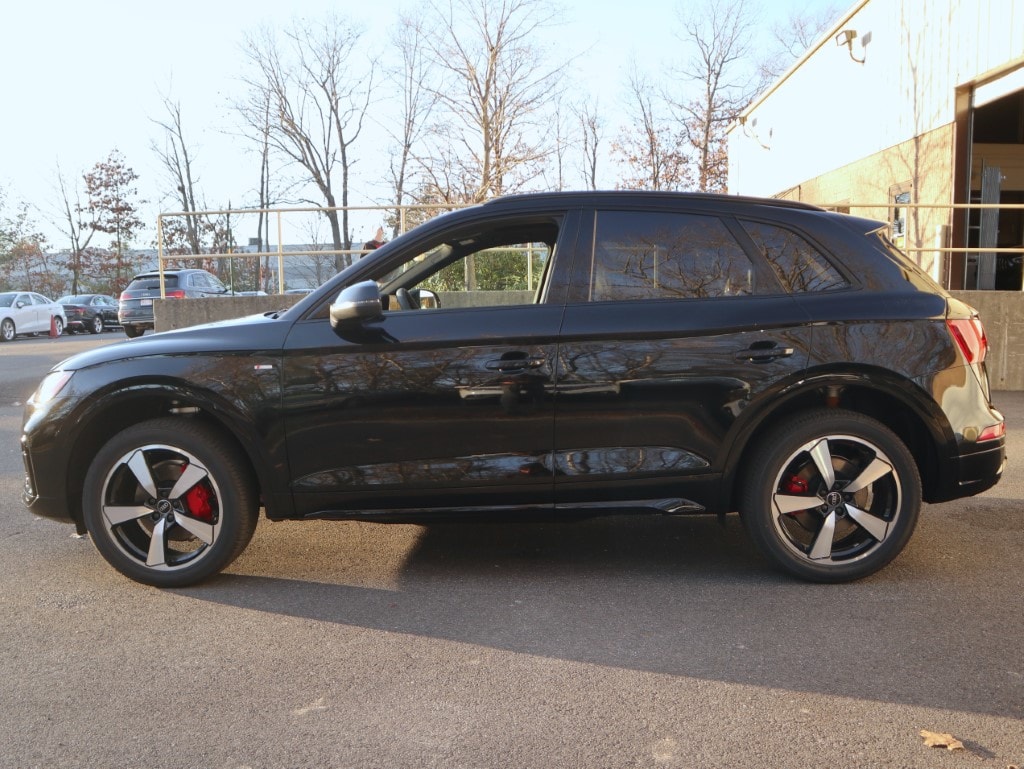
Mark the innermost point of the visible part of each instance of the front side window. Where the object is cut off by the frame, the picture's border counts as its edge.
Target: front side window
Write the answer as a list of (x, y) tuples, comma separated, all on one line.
[(797, 264), (504, 266), (661, 255)]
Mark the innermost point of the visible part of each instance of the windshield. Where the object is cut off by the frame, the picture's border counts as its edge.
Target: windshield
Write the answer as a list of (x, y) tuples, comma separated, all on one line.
[(7, 300)]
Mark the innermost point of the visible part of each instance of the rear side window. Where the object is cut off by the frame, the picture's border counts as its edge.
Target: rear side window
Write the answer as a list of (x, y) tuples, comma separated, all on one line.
[(797, 264), (661, 255)]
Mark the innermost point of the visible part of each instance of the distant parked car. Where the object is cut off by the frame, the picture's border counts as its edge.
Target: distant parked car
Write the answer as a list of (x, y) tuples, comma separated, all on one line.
[(26, 312), (135, 311), (89, 312)]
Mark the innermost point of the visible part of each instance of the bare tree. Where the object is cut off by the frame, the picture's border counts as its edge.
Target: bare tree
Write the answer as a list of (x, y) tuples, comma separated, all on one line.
[(79, 230), (652, 153), (495, 91), (318, 102), (591, 127), (720, 33), (795, 36), (176, 158), (412, 80)]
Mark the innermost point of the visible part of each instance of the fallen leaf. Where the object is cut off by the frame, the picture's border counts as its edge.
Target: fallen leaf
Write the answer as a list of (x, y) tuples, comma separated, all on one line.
[(937, 740)]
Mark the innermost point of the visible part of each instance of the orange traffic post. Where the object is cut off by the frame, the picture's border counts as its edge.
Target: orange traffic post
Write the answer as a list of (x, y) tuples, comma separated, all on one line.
[(53, 326)]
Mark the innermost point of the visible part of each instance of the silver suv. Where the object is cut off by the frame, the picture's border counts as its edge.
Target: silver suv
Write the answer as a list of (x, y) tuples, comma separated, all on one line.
[(135, 306)]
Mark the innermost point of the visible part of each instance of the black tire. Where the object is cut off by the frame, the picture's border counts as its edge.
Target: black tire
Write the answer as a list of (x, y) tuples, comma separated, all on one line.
[(133, 331), (96, 327), (58, 326), (170, 502), (831, 496), (7, 330)]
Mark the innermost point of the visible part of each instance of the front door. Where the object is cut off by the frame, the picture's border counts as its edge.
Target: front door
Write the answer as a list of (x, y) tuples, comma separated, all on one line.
[(445, 401)]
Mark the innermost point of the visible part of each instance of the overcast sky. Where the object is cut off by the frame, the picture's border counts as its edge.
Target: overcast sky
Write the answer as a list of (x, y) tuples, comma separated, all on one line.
[(84, 78)]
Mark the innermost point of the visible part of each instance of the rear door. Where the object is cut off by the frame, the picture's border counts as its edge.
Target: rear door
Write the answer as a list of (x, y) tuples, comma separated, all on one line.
[(672, 328)]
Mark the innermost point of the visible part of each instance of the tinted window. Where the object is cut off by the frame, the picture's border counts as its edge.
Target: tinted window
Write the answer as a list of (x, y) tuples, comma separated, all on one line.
[(666, 256), (797, 264)]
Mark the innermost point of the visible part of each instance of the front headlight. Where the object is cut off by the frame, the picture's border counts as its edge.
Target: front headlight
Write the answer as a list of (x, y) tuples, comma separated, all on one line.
[(52, 384)]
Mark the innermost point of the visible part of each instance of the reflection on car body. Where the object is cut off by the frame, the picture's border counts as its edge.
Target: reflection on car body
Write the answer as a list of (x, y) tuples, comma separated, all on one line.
[(574, 353)]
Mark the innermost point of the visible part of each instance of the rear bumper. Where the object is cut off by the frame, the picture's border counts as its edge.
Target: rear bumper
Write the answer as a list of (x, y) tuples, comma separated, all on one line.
[(976, 470)]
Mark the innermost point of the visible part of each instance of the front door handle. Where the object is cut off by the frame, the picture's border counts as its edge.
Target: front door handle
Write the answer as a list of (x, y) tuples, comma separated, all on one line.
[(507, 365)]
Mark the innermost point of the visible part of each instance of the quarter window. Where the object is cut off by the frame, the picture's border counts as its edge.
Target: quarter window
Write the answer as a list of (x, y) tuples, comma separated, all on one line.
[(666, 256), (797, 264)]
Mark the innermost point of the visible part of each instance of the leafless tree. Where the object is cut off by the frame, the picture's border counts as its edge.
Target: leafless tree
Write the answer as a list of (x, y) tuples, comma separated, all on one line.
[(720, 35), (591, 127), (795, 36), (411, 79), (176, 158), (318, 99), (651, 151), (77, 226), (495, 92)]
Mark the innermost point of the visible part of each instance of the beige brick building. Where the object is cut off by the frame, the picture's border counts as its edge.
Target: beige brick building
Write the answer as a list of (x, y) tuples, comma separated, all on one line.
[(903, 109)]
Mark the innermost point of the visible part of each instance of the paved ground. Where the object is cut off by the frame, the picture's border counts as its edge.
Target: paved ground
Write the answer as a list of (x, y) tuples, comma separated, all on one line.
[(650, 642)]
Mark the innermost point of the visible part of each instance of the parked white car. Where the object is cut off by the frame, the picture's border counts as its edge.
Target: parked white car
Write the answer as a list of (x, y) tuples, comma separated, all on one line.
[(26, 312)]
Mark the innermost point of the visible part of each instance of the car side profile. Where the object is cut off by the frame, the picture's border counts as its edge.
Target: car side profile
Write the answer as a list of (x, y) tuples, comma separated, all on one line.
[(26, 312), (94, 313), (564, 354), (135, 305)]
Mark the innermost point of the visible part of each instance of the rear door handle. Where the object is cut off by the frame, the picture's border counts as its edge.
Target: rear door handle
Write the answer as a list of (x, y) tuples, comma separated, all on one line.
[(764, 352)]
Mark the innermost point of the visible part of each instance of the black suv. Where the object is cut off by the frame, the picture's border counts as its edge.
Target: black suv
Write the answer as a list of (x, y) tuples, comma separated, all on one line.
[(135, 305), (568, 354)]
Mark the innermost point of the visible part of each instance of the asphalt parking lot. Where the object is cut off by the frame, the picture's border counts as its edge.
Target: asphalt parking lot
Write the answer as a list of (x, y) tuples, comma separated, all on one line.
[(621, 642)]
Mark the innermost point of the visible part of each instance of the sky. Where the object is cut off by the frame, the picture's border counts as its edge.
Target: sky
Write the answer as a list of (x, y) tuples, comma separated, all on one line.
[(84, 78)]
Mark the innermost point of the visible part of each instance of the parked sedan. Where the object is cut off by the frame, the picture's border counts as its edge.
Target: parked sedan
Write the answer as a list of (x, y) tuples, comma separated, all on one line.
[(571, 355), (26, 312), (89, 312)]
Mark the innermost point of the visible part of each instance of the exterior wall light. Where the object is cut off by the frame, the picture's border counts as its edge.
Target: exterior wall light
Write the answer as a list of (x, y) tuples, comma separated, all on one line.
[(846, 37)]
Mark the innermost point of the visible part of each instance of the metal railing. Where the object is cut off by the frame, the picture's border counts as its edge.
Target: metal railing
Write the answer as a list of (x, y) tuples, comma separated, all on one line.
[(915, 243), (279, 252)]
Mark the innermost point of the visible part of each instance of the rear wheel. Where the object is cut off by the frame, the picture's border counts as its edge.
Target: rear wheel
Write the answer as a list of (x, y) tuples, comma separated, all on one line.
[(833, 496), (96, 326), (169, 502), (132, 331)]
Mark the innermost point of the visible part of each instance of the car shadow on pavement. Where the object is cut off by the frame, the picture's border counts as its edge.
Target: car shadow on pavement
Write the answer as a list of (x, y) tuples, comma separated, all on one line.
[(681, 597)]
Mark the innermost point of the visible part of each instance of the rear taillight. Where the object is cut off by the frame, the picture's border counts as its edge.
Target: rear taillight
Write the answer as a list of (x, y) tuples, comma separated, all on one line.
[(176, 294), (124, 297), (993, 433), (969, 334)]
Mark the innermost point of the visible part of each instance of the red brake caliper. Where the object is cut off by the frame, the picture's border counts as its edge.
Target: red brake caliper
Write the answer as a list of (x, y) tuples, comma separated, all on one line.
[(197, 499), (795, 485)]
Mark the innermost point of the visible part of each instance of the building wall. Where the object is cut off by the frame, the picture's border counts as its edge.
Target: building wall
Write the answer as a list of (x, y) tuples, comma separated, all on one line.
[(830, 111), (865, 187)]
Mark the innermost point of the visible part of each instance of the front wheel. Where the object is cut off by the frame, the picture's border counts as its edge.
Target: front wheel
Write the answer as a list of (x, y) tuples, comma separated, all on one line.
[(7, 330), (96, 327), (169, 502), (831, 496)]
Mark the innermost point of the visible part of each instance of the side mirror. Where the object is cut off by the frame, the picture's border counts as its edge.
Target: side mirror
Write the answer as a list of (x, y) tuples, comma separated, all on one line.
[(359, 302)]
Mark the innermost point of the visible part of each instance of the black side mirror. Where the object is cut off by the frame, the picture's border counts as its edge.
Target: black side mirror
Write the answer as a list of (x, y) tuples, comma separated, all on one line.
[(359, 302)]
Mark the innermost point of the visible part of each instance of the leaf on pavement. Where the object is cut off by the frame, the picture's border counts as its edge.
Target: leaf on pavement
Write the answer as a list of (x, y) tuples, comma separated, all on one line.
[(937, 740)]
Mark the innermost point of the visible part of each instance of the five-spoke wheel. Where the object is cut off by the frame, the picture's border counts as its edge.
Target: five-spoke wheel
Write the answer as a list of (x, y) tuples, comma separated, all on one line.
[(832, 496), (168, 502)]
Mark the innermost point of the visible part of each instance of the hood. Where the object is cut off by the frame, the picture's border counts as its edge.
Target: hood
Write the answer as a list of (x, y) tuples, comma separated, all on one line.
[(265, 332)]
